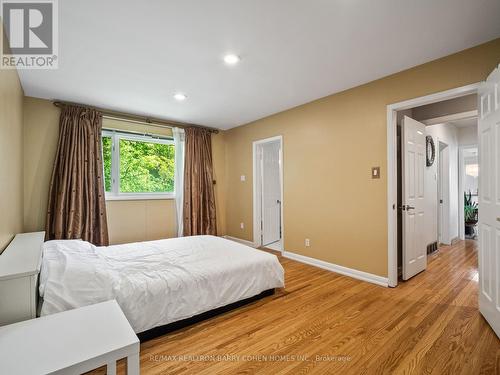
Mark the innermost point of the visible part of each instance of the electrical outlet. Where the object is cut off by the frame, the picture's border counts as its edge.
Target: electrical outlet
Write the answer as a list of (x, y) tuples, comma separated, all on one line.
[(242, 225), (243, 178), (307, 242)]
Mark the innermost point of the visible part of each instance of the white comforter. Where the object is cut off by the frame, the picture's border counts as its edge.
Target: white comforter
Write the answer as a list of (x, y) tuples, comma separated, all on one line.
[(156, 282)]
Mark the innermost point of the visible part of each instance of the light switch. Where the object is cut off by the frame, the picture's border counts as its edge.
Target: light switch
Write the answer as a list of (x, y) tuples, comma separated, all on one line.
[(376, 172), (242, 178)]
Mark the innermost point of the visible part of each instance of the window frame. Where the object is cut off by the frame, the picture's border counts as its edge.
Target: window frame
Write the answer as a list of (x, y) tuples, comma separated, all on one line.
[(116, 136)]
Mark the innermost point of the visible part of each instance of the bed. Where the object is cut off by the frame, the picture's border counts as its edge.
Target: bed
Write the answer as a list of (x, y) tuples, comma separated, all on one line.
[(156, 283)]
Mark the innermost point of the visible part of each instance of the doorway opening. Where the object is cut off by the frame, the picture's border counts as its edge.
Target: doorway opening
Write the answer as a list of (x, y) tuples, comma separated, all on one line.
[(268, 193), (486, 116), (443, 195), (469, 189), (423, 171)]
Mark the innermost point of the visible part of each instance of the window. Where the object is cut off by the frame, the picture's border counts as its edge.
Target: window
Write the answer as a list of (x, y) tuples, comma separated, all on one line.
[(137, 166)]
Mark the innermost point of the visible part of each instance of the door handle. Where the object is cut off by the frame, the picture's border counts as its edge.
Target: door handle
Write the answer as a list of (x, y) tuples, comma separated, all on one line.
[(406, 207)]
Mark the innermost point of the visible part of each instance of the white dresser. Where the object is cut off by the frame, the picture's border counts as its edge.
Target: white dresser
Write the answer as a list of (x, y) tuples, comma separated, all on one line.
[(19, 268)]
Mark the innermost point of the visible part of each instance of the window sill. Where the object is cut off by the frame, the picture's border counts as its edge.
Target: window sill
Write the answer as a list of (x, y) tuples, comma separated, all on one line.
[(139, 197)]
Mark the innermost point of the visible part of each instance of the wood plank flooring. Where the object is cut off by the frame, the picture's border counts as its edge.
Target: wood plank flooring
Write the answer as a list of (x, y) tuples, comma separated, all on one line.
[(324, 323)]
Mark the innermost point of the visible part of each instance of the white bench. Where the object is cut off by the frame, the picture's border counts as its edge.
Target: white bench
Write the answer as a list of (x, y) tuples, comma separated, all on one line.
[(70, 342)]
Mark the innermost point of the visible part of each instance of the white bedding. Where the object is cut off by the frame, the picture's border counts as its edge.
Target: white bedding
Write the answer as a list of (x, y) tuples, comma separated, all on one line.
[(156, 282)]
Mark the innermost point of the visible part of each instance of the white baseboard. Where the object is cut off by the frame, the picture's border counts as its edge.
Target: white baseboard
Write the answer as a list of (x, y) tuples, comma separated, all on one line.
[(244, 242), (360, 275)]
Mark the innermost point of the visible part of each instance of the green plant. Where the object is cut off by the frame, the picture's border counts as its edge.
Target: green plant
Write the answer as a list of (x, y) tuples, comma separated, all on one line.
[(470, 208)]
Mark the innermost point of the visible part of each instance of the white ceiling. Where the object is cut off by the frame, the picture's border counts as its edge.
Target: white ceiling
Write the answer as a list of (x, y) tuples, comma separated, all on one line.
[(132, 56)]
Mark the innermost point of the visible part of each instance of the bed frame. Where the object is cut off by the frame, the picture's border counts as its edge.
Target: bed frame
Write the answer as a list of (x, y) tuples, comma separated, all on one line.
[(179, 324), (174, 326)]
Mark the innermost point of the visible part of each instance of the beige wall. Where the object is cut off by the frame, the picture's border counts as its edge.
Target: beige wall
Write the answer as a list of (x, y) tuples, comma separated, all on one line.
[(137, 220), (11, 157), (141, 220), (329, 148), (41, 130)]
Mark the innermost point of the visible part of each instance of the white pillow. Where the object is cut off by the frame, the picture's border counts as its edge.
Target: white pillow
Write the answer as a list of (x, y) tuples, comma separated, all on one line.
[(59, 257)]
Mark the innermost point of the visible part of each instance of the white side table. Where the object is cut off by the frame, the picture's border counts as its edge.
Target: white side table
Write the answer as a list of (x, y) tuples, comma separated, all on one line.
[(19, 268), (71, 342)]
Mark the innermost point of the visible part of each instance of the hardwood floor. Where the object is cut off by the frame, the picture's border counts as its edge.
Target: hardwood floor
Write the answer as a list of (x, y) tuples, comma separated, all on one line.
[(324, 323)]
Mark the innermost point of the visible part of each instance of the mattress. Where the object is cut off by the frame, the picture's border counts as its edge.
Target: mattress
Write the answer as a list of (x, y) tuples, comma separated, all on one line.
[(156, 282)]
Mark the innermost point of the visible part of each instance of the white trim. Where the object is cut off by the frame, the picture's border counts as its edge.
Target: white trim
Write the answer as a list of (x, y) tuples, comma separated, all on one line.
[(392, 251), (256, 211), (436, 97), (392, 198), (450, 118), (239, 240), (356, 274)]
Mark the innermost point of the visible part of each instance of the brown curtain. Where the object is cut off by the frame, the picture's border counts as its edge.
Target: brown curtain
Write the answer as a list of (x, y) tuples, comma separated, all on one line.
[(199, 196), (76, 198)]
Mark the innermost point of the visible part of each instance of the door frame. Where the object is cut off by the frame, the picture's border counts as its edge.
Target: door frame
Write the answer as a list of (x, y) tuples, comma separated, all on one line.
[(392, 199), (257, 193), (461, 181), (443, 209)]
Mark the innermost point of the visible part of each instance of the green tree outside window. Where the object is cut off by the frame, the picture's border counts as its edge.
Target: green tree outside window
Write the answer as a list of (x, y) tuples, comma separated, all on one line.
[(145, 167)]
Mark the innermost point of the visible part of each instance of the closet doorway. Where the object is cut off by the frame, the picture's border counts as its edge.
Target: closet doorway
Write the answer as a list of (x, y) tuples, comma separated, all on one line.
[(268, 193)]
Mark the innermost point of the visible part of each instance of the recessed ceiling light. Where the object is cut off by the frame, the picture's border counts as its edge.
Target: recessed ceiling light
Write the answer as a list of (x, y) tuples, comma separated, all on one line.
[(231, 59), (180, 97)]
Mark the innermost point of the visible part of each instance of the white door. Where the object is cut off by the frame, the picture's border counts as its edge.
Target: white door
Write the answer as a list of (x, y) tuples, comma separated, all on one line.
[(489, 200), (413, 154), (271, 193)]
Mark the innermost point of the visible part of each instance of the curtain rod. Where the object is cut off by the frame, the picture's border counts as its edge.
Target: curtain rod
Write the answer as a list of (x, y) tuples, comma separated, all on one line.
[(120, 116)]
